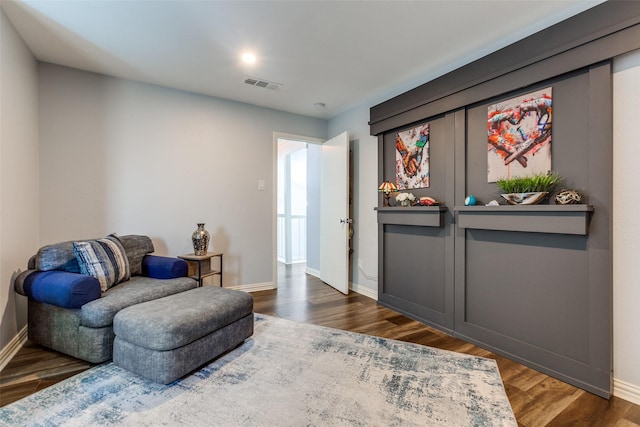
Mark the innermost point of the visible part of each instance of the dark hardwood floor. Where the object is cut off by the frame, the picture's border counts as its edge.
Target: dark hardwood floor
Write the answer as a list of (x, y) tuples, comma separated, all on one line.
[(537, 399)]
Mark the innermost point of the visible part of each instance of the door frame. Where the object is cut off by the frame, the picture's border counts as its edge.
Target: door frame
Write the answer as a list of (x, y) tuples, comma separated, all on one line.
[(274, 201)]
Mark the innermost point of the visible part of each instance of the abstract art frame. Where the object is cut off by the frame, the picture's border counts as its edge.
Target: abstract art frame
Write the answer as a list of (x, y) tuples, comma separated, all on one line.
[(519, 136), (412, 158)]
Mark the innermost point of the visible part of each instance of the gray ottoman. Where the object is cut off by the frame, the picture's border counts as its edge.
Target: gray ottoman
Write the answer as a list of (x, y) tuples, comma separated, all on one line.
[(165, 339)]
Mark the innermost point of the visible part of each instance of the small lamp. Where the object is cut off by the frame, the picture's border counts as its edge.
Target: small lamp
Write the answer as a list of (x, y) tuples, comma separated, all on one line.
[(387, 187)]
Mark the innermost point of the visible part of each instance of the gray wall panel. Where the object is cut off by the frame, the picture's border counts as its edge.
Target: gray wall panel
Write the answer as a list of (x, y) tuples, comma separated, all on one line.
[(570, 136), (439, 134), (531, 287), (415, 243), (600, 190), (414, 265)]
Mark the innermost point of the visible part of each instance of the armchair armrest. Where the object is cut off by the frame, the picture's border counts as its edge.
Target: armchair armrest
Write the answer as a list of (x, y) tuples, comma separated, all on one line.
[(18, 281), (159, 267), (60, 288)]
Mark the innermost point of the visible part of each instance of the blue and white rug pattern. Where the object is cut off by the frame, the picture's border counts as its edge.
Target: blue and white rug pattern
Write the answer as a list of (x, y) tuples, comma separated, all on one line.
[(287, 374)]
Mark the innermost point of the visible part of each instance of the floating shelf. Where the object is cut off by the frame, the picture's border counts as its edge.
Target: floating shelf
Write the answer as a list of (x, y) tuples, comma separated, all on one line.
[(558, 219), (425, 216)]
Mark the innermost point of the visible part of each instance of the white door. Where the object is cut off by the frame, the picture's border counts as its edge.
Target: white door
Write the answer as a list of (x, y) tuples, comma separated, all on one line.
[(334, 213)]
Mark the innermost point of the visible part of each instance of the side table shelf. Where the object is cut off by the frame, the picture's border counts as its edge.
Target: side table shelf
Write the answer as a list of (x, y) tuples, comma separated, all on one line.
[(559, 219), (200, 266), (426, 216)]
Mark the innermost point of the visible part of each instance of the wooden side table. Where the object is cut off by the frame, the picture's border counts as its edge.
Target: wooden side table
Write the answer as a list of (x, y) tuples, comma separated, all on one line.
[(200, 266)]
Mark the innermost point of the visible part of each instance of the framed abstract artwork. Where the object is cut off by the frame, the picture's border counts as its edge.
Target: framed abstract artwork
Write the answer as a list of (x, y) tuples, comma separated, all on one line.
[(519, 136), (412, 158)]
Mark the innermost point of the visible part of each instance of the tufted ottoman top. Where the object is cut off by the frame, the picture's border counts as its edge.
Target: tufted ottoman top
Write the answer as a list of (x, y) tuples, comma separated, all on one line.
[(177, 320)]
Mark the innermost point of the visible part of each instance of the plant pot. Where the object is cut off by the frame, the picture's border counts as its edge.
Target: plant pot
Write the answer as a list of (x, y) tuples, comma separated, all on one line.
[(525, 198)]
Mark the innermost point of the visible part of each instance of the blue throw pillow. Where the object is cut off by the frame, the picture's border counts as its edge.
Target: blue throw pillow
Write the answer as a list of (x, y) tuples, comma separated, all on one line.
[(62, 289), (104, 259), (159, 267)]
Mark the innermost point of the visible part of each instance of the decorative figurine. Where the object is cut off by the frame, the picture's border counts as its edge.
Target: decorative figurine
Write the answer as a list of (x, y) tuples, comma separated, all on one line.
[(568, 197), (428, 201)]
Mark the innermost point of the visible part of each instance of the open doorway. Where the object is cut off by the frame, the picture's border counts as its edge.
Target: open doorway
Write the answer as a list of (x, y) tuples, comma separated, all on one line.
[(292, 202), (297, 207)]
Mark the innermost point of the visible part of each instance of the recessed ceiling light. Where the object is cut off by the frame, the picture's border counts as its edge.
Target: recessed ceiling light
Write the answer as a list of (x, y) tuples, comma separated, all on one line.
[(320, 105), (248, 58)]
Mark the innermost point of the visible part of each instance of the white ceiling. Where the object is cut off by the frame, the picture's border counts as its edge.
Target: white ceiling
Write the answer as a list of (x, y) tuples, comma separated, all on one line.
[(340, 53)]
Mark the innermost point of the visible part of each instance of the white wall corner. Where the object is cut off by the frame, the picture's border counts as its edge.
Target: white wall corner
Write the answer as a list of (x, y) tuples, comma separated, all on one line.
[(363, 290), (626, 227), (626, 391), (313, 272), (7, 353)]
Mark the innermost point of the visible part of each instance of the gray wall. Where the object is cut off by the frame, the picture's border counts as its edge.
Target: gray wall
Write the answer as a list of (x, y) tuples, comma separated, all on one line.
[(126, 157), (19, 210)]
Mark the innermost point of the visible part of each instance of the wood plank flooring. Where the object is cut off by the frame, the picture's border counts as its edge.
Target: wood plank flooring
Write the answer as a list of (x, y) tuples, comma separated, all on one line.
[(537, 399)]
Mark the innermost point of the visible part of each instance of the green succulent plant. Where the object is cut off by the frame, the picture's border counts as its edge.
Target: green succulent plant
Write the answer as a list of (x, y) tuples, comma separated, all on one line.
[(530, 184)]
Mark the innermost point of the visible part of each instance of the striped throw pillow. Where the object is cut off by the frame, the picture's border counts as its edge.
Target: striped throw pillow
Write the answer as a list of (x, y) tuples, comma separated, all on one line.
[(104, 259)]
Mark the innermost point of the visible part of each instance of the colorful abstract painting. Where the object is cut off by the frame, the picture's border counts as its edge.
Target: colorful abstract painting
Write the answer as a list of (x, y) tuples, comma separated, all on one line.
[(520, 136), (412, 158)]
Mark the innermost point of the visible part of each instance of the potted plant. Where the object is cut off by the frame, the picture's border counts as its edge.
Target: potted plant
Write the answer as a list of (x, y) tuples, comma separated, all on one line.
[(528, 190)]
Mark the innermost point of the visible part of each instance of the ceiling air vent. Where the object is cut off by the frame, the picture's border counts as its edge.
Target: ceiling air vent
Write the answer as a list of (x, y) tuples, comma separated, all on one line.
[(262, 83)]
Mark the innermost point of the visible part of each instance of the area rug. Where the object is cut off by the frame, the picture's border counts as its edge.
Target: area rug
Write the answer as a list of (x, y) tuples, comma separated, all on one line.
[(287, 374)]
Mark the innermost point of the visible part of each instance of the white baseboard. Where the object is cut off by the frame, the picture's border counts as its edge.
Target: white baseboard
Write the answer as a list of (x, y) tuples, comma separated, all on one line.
[(253, 287), (362, 290), (7, 353), (626, 391), (312, 272)]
